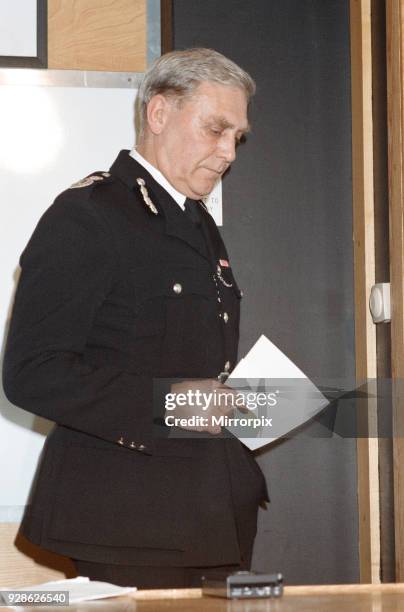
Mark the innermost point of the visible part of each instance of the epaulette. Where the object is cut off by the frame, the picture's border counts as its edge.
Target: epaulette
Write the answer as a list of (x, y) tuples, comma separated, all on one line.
[(90, 180)]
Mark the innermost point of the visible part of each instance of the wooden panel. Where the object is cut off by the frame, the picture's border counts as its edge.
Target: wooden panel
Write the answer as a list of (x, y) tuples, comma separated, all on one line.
[(22, 563), (344, 598), (364, 271), (166, 24), (382, 275), (107, 35), (395, 93), (290, 591)]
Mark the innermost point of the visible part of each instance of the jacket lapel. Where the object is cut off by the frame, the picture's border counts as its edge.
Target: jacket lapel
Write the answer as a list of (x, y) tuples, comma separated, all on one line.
[(213, 238), (177, 224)]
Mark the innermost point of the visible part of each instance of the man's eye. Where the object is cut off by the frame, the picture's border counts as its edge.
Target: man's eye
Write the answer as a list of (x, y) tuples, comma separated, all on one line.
[(215, 131)]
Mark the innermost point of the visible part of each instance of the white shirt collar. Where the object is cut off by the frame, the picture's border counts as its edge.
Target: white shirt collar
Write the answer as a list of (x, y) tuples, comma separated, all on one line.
[(160, 178)]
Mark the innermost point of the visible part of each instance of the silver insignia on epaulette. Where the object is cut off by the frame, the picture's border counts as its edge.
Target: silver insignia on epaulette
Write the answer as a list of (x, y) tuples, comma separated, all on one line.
[(145, 195), (86, 182)]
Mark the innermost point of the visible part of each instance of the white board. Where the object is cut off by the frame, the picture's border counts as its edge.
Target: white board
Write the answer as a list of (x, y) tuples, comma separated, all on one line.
[(50, 138)]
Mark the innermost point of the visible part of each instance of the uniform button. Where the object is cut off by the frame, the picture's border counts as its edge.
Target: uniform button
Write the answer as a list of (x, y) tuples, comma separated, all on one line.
[(120, 441), (227, 366), (132, 445), (142, 447), (241, 293), (177, 288), (225, 317), (218, 268)]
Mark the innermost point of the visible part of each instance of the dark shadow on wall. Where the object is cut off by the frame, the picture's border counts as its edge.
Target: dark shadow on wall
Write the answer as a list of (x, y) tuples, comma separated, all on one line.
[(287, 211)]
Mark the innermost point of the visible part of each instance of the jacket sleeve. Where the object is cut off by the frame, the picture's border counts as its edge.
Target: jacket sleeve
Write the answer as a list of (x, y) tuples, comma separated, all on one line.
[(67, 269)]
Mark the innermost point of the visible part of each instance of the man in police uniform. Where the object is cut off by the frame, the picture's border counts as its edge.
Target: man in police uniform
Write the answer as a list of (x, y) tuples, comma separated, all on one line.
[(126, 280)]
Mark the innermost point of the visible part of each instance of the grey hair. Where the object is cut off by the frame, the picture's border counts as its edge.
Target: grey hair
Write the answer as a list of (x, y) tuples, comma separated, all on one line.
[(178, 73)]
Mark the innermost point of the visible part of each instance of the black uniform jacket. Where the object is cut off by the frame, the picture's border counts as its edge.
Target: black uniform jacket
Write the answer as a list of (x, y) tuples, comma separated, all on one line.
[(111, 296)]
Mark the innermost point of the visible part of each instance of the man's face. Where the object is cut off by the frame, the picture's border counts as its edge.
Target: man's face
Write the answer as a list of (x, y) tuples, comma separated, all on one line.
[(198, 139)]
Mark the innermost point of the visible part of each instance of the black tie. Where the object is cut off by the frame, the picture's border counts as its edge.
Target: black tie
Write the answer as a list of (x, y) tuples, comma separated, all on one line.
[(191, 210)]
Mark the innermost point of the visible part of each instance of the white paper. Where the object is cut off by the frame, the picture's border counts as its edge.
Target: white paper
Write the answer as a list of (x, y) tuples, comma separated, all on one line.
[(264, 367), (80, 589)]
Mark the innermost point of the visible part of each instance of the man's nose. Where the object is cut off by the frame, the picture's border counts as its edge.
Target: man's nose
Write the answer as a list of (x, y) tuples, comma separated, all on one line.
[(227, 149)]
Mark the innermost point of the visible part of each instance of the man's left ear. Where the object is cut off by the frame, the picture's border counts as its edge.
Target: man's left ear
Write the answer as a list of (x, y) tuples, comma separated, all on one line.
[(158, 110)]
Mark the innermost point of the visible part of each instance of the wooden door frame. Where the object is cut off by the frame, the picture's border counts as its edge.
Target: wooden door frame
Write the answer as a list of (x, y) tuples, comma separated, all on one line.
[(364, 278), (364, 258), (395, 94)]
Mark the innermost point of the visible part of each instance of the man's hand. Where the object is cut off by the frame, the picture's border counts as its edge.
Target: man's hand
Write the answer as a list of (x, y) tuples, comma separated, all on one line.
[(206, 398)]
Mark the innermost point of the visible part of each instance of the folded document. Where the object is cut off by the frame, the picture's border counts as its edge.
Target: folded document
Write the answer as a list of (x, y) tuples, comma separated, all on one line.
[(277, 393)]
